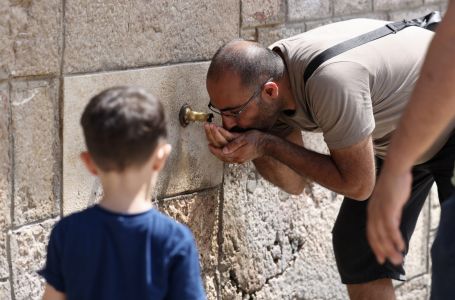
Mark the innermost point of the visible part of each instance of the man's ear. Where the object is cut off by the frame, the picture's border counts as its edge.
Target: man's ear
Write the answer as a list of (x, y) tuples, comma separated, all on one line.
[(88, 162), (161, 154), (271, 89)]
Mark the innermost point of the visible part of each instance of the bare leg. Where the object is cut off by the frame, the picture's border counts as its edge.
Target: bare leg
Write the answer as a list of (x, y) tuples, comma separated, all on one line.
[(381, 289)]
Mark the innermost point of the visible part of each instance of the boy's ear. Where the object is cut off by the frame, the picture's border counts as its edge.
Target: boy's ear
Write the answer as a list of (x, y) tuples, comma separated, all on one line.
[(161, 155), (88, 162)]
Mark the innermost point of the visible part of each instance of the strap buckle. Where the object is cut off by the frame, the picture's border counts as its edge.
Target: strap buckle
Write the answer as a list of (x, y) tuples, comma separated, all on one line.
[(397, 26)]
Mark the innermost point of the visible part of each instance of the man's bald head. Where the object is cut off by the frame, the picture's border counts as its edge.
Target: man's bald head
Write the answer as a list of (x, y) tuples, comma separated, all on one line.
[(252, 62)]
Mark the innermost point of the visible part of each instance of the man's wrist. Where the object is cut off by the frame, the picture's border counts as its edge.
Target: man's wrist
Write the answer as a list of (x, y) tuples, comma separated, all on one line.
[(267, 143)]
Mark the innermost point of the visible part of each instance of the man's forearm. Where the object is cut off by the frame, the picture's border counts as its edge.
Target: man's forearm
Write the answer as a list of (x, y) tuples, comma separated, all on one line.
[(323, 169), (280, 175), (432, 105)]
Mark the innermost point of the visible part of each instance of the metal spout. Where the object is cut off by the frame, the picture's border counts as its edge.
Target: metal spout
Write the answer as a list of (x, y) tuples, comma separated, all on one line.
[(187, 115)]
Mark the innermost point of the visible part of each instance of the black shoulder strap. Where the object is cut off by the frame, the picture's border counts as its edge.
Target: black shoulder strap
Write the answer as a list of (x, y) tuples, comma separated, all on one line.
[(429, 21)]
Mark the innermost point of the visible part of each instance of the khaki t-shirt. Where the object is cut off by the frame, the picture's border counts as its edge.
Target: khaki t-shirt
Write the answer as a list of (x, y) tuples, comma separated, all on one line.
[(360, 92)]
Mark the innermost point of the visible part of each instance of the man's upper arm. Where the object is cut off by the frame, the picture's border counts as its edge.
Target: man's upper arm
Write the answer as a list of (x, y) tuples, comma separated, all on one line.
[(340, 102)]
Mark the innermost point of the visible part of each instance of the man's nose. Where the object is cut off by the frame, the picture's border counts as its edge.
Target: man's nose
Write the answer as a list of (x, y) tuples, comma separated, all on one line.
[(228, 122)]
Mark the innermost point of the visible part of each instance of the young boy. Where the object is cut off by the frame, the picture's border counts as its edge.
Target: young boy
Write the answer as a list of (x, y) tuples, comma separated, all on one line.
[(122, 248)]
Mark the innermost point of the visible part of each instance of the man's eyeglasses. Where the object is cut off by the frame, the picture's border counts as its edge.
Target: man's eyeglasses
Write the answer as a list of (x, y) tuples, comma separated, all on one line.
[(235, 112)]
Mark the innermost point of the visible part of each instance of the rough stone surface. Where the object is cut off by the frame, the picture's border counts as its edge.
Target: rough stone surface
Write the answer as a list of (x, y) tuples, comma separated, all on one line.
[(6, 50), (248, 34), (443, 7), (30, 35), (267, 36), (5, 176), (415, 289), (435, 208), (308, 9), (28, 254), (190, 167), (395, 4), (350, 7), (411, 14), (200, 213), (5, 290), (106, 35), (276, 246), (416, 262), (378, 15), (262, 12), (36, 139)]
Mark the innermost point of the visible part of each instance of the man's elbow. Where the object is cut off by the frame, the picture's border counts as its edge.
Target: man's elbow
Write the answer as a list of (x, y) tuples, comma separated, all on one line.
[(361, 192), (296, 189)]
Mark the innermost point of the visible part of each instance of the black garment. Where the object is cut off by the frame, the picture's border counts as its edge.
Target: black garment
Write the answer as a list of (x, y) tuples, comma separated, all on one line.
[(443, 254), (355, 260)]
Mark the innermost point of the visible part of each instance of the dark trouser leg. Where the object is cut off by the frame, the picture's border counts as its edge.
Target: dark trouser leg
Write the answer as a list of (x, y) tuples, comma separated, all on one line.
[(443, 254), (355, 259)]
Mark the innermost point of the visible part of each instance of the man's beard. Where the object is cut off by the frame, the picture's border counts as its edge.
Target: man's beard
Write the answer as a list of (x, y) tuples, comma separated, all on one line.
[(239, 129), (268, 118)]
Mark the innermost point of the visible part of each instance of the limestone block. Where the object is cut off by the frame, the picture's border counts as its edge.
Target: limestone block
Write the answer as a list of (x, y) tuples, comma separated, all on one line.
[(4, 266), (28, 255), (190, 167), (107, 35), (277, 246), (5, 176), (199, 212), (308, 9), (248, 34), (435, 208), (415, 289), (6, 49), (349, 7), (36, 150), (30, 37), (262, 12), (315, 142), (376, 15), (267, 36), (5, 290), (431, 1), (416, 262), (443, 7), (395, 4), (411, 14)]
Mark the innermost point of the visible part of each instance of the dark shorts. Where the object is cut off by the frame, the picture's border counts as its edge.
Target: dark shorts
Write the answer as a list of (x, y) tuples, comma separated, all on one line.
[(443, 254), (355, 260)]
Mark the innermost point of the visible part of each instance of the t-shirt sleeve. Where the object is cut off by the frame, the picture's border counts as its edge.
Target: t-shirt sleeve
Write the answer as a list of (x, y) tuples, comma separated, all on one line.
[(185, 274), (52, 269), (340, 101)]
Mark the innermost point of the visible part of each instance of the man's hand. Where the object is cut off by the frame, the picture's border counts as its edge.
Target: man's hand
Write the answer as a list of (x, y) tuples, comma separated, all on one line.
[(234, 147), (384, 215), (218, 137)]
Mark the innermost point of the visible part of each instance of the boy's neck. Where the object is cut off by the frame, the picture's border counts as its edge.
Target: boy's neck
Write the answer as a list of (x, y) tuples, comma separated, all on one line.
[(128, 192)]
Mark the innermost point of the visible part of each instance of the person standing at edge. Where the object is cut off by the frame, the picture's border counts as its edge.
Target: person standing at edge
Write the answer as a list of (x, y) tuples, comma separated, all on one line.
[(355, 99), (429, 113)]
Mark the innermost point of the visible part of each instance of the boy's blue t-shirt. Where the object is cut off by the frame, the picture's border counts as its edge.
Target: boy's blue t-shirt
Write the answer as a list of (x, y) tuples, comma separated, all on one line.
[(98, 254)]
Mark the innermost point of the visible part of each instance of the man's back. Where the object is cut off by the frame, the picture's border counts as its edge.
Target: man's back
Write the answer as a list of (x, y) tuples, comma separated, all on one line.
[(359, 92), (98, 254)]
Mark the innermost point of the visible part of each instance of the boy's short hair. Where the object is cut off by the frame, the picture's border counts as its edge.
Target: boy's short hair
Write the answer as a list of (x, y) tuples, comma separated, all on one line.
[(122, 127)]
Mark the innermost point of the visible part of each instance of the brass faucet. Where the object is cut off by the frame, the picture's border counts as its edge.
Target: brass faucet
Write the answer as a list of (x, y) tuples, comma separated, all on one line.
[(187, 115)]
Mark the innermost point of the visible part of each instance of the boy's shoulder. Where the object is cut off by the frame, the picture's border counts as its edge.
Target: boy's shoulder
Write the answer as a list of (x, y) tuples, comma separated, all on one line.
[(161, 226), (170, 229)]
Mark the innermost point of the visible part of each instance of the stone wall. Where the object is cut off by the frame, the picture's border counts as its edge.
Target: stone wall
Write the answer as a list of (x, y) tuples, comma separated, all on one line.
[(255, 241)]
